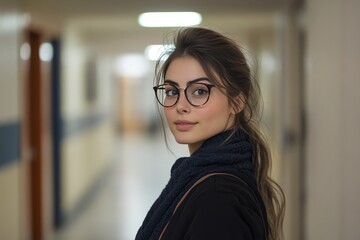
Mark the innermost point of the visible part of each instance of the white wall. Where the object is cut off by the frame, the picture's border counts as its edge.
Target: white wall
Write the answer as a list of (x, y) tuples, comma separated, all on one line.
[(332, 86)]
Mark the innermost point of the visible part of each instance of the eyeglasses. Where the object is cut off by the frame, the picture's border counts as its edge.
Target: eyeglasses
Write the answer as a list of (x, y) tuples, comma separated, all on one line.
[(197, 94)]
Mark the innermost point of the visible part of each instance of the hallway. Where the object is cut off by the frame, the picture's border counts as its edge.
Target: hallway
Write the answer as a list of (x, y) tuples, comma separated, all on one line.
[(140, 170), (65, 87)]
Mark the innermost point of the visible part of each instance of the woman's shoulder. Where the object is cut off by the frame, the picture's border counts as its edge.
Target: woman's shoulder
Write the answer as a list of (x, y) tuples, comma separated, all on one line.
[(240, 188), (227, 192), (219, 207)]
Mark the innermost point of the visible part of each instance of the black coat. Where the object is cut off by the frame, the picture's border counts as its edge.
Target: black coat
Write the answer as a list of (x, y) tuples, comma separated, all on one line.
[(221, 207)]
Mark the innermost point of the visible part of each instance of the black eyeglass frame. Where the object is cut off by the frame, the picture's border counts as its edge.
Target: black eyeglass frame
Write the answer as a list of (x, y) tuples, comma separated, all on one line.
[(209, 87)]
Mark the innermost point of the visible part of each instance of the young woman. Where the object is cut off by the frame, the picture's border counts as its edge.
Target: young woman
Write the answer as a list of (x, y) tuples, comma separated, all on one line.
[(223, 190)]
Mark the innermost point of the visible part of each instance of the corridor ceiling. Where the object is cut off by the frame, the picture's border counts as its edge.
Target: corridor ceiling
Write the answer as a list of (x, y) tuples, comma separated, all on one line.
[(110, 23), (60, 10)]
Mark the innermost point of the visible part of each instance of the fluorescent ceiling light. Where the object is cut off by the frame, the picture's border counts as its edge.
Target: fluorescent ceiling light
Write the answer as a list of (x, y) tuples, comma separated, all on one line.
[(154, 52), (169, 19)]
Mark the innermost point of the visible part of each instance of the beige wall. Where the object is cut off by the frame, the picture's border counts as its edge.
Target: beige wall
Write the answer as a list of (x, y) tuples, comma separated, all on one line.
[(288, 94), (10, 202), (86, 157), (9, 113), (332, 86), (86, 153)]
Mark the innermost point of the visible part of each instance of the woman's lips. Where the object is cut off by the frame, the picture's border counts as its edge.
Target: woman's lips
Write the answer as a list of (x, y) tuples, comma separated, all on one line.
[(184, 125)]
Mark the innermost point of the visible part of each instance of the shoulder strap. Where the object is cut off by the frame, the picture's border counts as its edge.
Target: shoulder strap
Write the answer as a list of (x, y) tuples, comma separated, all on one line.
[(195, 184), (184, 196)]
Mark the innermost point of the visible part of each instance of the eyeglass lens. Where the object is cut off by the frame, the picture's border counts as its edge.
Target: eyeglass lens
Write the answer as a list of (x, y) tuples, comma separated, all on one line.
[(196, 93)]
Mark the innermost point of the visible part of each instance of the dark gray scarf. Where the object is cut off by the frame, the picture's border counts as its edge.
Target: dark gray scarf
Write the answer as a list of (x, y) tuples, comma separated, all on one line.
[(217, 154)]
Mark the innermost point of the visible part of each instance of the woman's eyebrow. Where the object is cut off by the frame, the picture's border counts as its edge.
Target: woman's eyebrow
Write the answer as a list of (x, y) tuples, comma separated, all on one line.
[(189, 82), (197, 80), (171, 82)]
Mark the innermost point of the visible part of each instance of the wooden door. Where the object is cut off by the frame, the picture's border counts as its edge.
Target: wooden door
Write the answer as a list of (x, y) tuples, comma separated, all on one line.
[(35, 140)]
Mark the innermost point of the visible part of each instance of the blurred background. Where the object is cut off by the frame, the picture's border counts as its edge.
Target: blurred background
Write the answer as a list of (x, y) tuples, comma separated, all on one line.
[(81, 153)]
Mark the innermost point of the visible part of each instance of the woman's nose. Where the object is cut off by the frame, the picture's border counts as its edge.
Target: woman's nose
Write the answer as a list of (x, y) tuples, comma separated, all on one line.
[(183, 106)]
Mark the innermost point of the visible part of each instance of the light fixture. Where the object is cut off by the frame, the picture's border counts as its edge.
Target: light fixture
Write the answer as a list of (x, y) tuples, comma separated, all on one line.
[(46, 52), (25, 51), (169, 19), (154, 52)]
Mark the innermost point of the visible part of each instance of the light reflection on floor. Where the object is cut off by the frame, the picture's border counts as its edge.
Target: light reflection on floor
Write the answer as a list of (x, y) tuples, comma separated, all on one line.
[(141, 170)]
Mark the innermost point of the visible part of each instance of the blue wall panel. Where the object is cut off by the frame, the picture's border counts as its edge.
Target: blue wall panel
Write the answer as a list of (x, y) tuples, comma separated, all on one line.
[(9, 143)]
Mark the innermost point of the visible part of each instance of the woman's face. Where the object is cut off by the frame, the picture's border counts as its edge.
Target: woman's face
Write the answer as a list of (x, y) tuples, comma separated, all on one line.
[(189, 124)]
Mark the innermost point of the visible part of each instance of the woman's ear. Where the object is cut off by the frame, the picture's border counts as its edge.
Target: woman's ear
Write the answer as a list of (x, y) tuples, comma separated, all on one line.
[(239, 104)]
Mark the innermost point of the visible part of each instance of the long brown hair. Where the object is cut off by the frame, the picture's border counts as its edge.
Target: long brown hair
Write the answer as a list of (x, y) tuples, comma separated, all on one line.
[(226, 67)]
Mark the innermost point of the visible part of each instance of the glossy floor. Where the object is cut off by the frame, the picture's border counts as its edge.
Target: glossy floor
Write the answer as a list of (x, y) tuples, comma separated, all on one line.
[(140, 171)]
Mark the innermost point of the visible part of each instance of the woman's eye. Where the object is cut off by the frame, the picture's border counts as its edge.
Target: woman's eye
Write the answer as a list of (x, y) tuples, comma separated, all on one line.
[(171, 92), (200, 92)]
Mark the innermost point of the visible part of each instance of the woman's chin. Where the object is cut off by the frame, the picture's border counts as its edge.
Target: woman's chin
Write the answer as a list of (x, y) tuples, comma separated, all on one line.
[(181, 141)]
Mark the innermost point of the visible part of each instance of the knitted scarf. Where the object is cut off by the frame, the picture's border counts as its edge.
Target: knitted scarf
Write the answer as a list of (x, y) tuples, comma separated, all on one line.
[(217, 154)]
